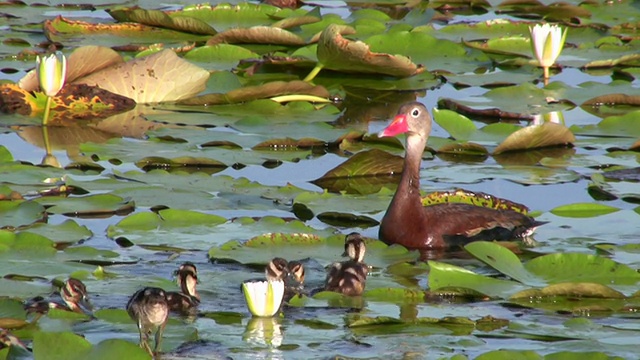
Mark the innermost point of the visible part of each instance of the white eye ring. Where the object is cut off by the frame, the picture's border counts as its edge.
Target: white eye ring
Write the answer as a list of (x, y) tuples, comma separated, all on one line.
[(415, 112)]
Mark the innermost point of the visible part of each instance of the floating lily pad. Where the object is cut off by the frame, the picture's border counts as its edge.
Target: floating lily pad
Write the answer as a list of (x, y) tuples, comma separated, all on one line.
[(337, 53), (67, 232), (15, 214), (261, 249), (584, 210), (160, 77), (161, 19), (537, 136), (88, 206)]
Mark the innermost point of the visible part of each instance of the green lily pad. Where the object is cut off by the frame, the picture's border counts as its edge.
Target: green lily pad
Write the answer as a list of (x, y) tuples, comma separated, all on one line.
[(267, 90), (584, 210), (337, 53), (537, 136), (161, 19), (302, 245), (68, 231), (149, 228), (88, 206), (446, 278), (15, 214)]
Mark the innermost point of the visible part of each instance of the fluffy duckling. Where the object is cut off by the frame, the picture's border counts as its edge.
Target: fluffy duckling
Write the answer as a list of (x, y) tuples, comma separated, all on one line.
[(187, 298), (148, 307), (349, 277), (73, 295), (294, 284), (277, 270)]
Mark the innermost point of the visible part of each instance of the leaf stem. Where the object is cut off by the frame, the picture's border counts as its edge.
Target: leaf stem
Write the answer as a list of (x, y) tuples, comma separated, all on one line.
[(47, 109), (313, 73)]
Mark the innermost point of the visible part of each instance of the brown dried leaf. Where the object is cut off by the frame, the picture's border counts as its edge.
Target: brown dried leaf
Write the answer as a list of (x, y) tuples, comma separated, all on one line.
[(257, 35), (82, 61), (159, 77)]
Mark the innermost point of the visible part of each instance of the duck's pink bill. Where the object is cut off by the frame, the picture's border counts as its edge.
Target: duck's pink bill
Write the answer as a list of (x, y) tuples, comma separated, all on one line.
[(397, 126)]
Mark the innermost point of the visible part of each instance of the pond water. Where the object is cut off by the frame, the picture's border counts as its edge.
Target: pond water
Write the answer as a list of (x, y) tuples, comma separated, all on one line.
[(399, 316)]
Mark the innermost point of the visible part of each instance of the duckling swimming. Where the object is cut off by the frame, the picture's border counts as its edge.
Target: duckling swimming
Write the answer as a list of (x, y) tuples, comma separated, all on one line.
[(187, 299), (73, 297), (349, 277)]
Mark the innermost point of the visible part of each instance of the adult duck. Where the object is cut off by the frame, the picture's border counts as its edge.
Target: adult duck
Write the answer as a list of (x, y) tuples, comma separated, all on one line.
[(407, 222)]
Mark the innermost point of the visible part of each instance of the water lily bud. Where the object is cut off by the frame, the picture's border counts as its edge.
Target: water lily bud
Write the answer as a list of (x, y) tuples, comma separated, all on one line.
[(263, 297), (51, 71), (547, 42), (50, 160)]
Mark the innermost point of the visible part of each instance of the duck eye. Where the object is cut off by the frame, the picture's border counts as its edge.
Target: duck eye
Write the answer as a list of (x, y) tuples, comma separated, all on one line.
[(415, 113)]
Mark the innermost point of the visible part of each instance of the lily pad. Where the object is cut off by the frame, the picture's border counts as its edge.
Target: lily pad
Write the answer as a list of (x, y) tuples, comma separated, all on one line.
[(15, 214), (160, 77), (337, 53), (301, 245), (88, 206), (584, 210), (537, 136)]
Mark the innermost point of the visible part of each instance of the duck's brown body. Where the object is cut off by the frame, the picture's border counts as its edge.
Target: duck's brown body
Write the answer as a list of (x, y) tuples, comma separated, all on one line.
[(407, 222)]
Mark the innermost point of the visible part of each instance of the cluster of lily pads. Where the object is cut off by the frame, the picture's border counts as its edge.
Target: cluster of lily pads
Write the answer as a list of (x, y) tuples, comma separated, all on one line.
[(251, 86)]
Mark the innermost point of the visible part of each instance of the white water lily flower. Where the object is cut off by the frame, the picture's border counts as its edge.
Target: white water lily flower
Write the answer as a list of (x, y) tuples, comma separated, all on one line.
[(552, 117), (263, 297), (51, 71), (547, 42)]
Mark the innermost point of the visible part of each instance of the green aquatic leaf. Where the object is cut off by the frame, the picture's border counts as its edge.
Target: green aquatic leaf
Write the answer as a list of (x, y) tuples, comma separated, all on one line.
[(577, 267), (583, 210), (59, 346), (68, 231), (340, 54), (503, 260), (537, 136), (300, 245), (16, 214), (446, 278), (161, 19), (87, 206), (579, 290), (458, 126)]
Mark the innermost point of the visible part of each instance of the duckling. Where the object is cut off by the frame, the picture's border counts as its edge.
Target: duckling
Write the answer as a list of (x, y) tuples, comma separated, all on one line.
[(8, 340), (294, 282), (73, 295), (349, 277), (187, 298), (296, 274), (148, 307), (276, 270)]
